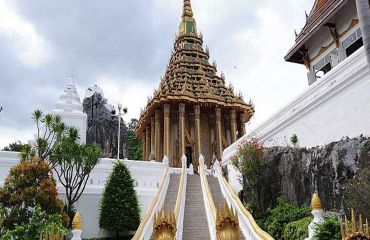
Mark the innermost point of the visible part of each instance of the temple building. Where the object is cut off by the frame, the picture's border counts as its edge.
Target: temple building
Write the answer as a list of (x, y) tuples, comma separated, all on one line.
[(193, 112), (331, 34)]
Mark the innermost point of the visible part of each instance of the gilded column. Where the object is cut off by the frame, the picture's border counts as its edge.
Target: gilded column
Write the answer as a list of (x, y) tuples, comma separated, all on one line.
[(218, 134), (233, 126), (242, 124), (152, 138), (196, 135), (166, 132), (144, 146), (157, 139), (147, 143), (181, 129)]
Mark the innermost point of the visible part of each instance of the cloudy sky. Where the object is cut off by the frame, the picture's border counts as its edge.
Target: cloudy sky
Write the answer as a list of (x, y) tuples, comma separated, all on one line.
[(123, 46)]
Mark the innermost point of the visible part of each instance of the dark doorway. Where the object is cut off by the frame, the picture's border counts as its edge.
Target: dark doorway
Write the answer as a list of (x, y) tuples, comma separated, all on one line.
[(189, 156)]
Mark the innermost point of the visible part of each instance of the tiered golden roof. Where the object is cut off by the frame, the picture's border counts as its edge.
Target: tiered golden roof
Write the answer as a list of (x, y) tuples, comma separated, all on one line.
[(353, 230), (190, 77), (164, 225)]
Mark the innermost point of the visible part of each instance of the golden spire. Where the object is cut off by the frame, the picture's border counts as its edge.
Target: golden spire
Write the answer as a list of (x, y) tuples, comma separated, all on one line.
[(187, 25), (76, 223), (187, 11), (316, 202)]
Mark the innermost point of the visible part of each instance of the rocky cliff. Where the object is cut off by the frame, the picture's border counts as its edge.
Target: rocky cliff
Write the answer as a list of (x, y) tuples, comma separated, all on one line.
[(102, 127), (296, 173)]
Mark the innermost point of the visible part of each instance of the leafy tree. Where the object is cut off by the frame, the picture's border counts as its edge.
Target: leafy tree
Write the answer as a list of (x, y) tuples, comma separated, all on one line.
[(40, 223), (28, 184), (328, 230), (73, 163), (283, 214), (14, 147), (297, 230), (119, 210), (134, 144), (357, 193), (49, 129)]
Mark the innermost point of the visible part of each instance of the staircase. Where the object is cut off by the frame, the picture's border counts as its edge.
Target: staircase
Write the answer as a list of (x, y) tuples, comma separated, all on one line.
[(171, 195), (195, 219), (217, 196)]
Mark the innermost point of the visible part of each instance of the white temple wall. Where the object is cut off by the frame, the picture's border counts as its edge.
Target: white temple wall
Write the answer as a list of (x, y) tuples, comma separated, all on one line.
[(77, 120), (336, 106), (146, 174)]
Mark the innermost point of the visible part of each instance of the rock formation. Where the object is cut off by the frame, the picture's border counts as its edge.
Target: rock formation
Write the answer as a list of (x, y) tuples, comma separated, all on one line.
[(296, 173), (102, 126)]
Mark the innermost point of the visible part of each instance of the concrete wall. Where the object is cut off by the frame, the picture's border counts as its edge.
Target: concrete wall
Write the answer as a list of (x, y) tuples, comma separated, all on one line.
[(147, 175)]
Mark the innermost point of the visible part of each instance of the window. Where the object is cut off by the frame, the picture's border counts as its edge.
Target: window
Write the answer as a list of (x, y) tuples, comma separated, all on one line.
[(353, 42), (354, 46), (325, 69)]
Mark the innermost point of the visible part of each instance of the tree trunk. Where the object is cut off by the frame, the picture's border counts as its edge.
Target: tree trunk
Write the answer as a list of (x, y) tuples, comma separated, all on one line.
[(363, 11)]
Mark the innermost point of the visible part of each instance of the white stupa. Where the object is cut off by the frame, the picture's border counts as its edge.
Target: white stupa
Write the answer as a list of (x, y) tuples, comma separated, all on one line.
[(70, 109)]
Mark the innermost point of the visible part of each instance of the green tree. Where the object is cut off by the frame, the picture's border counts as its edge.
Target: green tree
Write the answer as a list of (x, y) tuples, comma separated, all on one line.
[(328, 230), (14, 147), (134, 144), (40, 223), (357, 192), (49, 129), (297, 230), (73, 163), (119, 209), (28, 184), (283, 214)]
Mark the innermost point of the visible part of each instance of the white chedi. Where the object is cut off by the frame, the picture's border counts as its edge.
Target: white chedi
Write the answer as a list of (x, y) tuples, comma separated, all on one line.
[(70, 109), (317, 213)]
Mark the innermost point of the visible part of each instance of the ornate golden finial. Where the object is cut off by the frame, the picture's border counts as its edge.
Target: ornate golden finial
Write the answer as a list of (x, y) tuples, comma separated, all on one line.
[(164, 225), (354, 230), (227, 223), (76, 223), (187, 11), (316, 202)]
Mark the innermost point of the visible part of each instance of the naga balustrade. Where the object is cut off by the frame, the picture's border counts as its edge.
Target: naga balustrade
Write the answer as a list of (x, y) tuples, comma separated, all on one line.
[(211, 210), (145, 228), (247, 224), (180, 201)]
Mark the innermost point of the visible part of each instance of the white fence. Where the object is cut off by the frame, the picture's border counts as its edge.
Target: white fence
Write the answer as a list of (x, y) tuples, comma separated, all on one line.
[(146, 174)]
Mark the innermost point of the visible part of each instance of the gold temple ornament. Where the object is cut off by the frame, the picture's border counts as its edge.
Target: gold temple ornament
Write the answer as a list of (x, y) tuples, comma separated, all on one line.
[(355, 230), (227, 223), (164, 225)]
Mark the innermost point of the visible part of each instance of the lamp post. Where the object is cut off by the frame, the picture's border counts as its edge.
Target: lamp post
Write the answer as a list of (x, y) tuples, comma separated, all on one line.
[(119, 114)]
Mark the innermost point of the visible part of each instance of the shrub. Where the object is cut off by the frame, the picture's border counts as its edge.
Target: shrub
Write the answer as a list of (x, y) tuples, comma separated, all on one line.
[(28, 184), (357, 193), (249, 161), (40, 223), (119, 210), (328, 230), (294, 139), (297, 230), (284, 213)]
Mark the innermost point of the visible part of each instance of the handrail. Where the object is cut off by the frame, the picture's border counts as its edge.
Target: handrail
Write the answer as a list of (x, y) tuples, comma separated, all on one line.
[(208, 200), (180, 201), (153, 208), (234, 201)]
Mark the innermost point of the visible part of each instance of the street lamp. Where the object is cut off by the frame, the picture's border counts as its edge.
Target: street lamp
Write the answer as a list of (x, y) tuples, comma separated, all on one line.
[(119, 114)]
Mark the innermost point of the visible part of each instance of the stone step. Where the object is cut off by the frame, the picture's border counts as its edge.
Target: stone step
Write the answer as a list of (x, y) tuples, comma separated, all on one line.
[(217, 196), (195, 218), (171, 195)]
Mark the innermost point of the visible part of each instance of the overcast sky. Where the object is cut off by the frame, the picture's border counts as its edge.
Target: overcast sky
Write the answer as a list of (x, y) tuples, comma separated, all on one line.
[(123, 46)]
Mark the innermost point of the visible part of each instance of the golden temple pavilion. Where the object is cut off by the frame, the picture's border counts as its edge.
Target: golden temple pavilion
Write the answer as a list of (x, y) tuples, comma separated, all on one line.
[(192, 112)]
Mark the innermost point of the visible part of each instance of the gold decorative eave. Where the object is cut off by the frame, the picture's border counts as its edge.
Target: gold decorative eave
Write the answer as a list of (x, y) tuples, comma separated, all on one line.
[(246, 109)]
